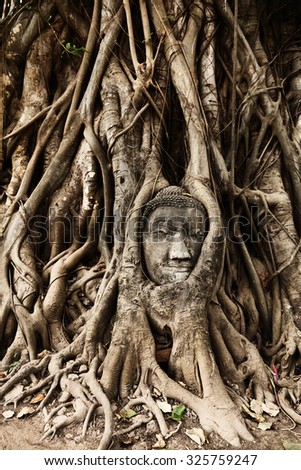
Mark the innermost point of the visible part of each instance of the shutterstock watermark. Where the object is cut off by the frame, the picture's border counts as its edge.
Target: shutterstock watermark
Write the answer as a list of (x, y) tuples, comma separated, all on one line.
[(238, 228)]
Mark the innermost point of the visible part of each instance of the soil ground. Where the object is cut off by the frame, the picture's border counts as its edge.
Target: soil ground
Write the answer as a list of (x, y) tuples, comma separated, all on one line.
[(25, 433)]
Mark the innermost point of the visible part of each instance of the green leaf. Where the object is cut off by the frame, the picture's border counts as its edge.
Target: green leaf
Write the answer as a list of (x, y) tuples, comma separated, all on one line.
[(13, 366), (177, 413), (74, 50), (265, 425), (290, 445), (127, 413)]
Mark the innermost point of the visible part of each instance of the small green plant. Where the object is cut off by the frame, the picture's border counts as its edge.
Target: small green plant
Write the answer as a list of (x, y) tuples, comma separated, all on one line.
[(74, 50), (177, 413), (13, 365)]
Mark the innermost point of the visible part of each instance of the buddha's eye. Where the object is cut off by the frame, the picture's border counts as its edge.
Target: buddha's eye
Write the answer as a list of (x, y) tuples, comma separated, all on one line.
[(197, 235), (160, 234)]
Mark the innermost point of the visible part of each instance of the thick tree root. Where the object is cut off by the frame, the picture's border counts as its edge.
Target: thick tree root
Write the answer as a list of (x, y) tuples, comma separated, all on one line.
[(216, 412), (60, 422)]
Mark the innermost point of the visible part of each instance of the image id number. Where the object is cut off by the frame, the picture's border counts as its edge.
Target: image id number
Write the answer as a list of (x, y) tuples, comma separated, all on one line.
[(221, 459)]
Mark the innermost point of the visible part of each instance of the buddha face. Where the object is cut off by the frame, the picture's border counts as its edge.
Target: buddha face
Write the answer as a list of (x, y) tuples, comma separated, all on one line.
[(172, 242)]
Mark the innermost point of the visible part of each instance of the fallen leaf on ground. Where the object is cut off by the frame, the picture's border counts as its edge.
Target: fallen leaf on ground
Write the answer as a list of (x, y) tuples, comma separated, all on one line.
[(265, 425), (197, 435), (290, 445), (256, 406), (26, 410), (127, 413), (177, 412), (8, 414), (164, 406), (37, 398), (271, 409), (256, 416), (160, 443), (127, 442)]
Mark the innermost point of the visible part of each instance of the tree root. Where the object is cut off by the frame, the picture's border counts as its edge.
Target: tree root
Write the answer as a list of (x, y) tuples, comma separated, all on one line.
[(33, 367), (238, 358), (49, 416), (27, 393), (147, 400), (287, 408), (137, 422), (96, 390), (216, 411), (89, 415), (64, 421)]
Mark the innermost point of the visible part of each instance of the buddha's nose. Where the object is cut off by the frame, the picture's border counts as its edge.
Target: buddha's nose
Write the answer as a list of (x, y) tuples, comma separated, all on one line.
[(178, 250)]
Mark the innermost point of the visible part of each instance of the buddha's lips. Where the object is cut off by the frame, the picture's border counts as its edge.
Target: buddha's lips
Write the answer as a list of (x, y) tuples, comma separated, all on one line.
[(179, 267)]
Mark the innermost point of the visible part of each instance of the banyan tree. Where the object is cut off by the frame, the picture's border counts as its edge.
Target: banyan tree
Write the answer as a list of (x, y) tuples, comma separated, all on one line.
[(150, 207)]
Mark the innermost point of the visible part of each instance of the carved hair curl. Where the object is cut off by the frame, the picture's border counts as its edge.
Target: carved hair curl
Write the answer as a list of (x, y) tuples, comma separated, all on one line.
[(172, 196)]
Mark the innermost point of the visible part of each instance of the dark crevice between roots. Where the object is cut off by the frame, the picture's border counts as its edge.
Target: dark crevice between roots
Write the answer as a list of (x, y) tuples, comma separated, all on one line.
[(163, 342)]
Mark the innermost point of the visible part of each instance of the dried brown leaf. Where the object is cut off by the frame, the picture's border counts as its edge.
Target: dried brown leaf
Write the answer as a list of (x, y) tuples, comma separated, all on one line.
[(160, 443), (26, 410), (43, 353), (256, 416), (37, 398)]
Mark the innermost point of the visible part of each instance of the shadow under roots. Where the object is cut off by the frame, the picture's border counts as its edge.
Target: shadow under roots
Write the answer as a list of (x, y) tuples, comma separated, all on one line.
[(163, 342)]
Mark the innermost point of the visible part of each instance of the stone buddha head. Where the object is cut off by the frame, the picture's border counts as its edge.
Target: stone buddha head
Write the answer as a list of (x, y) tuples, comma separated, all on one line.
[(174, 231)]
